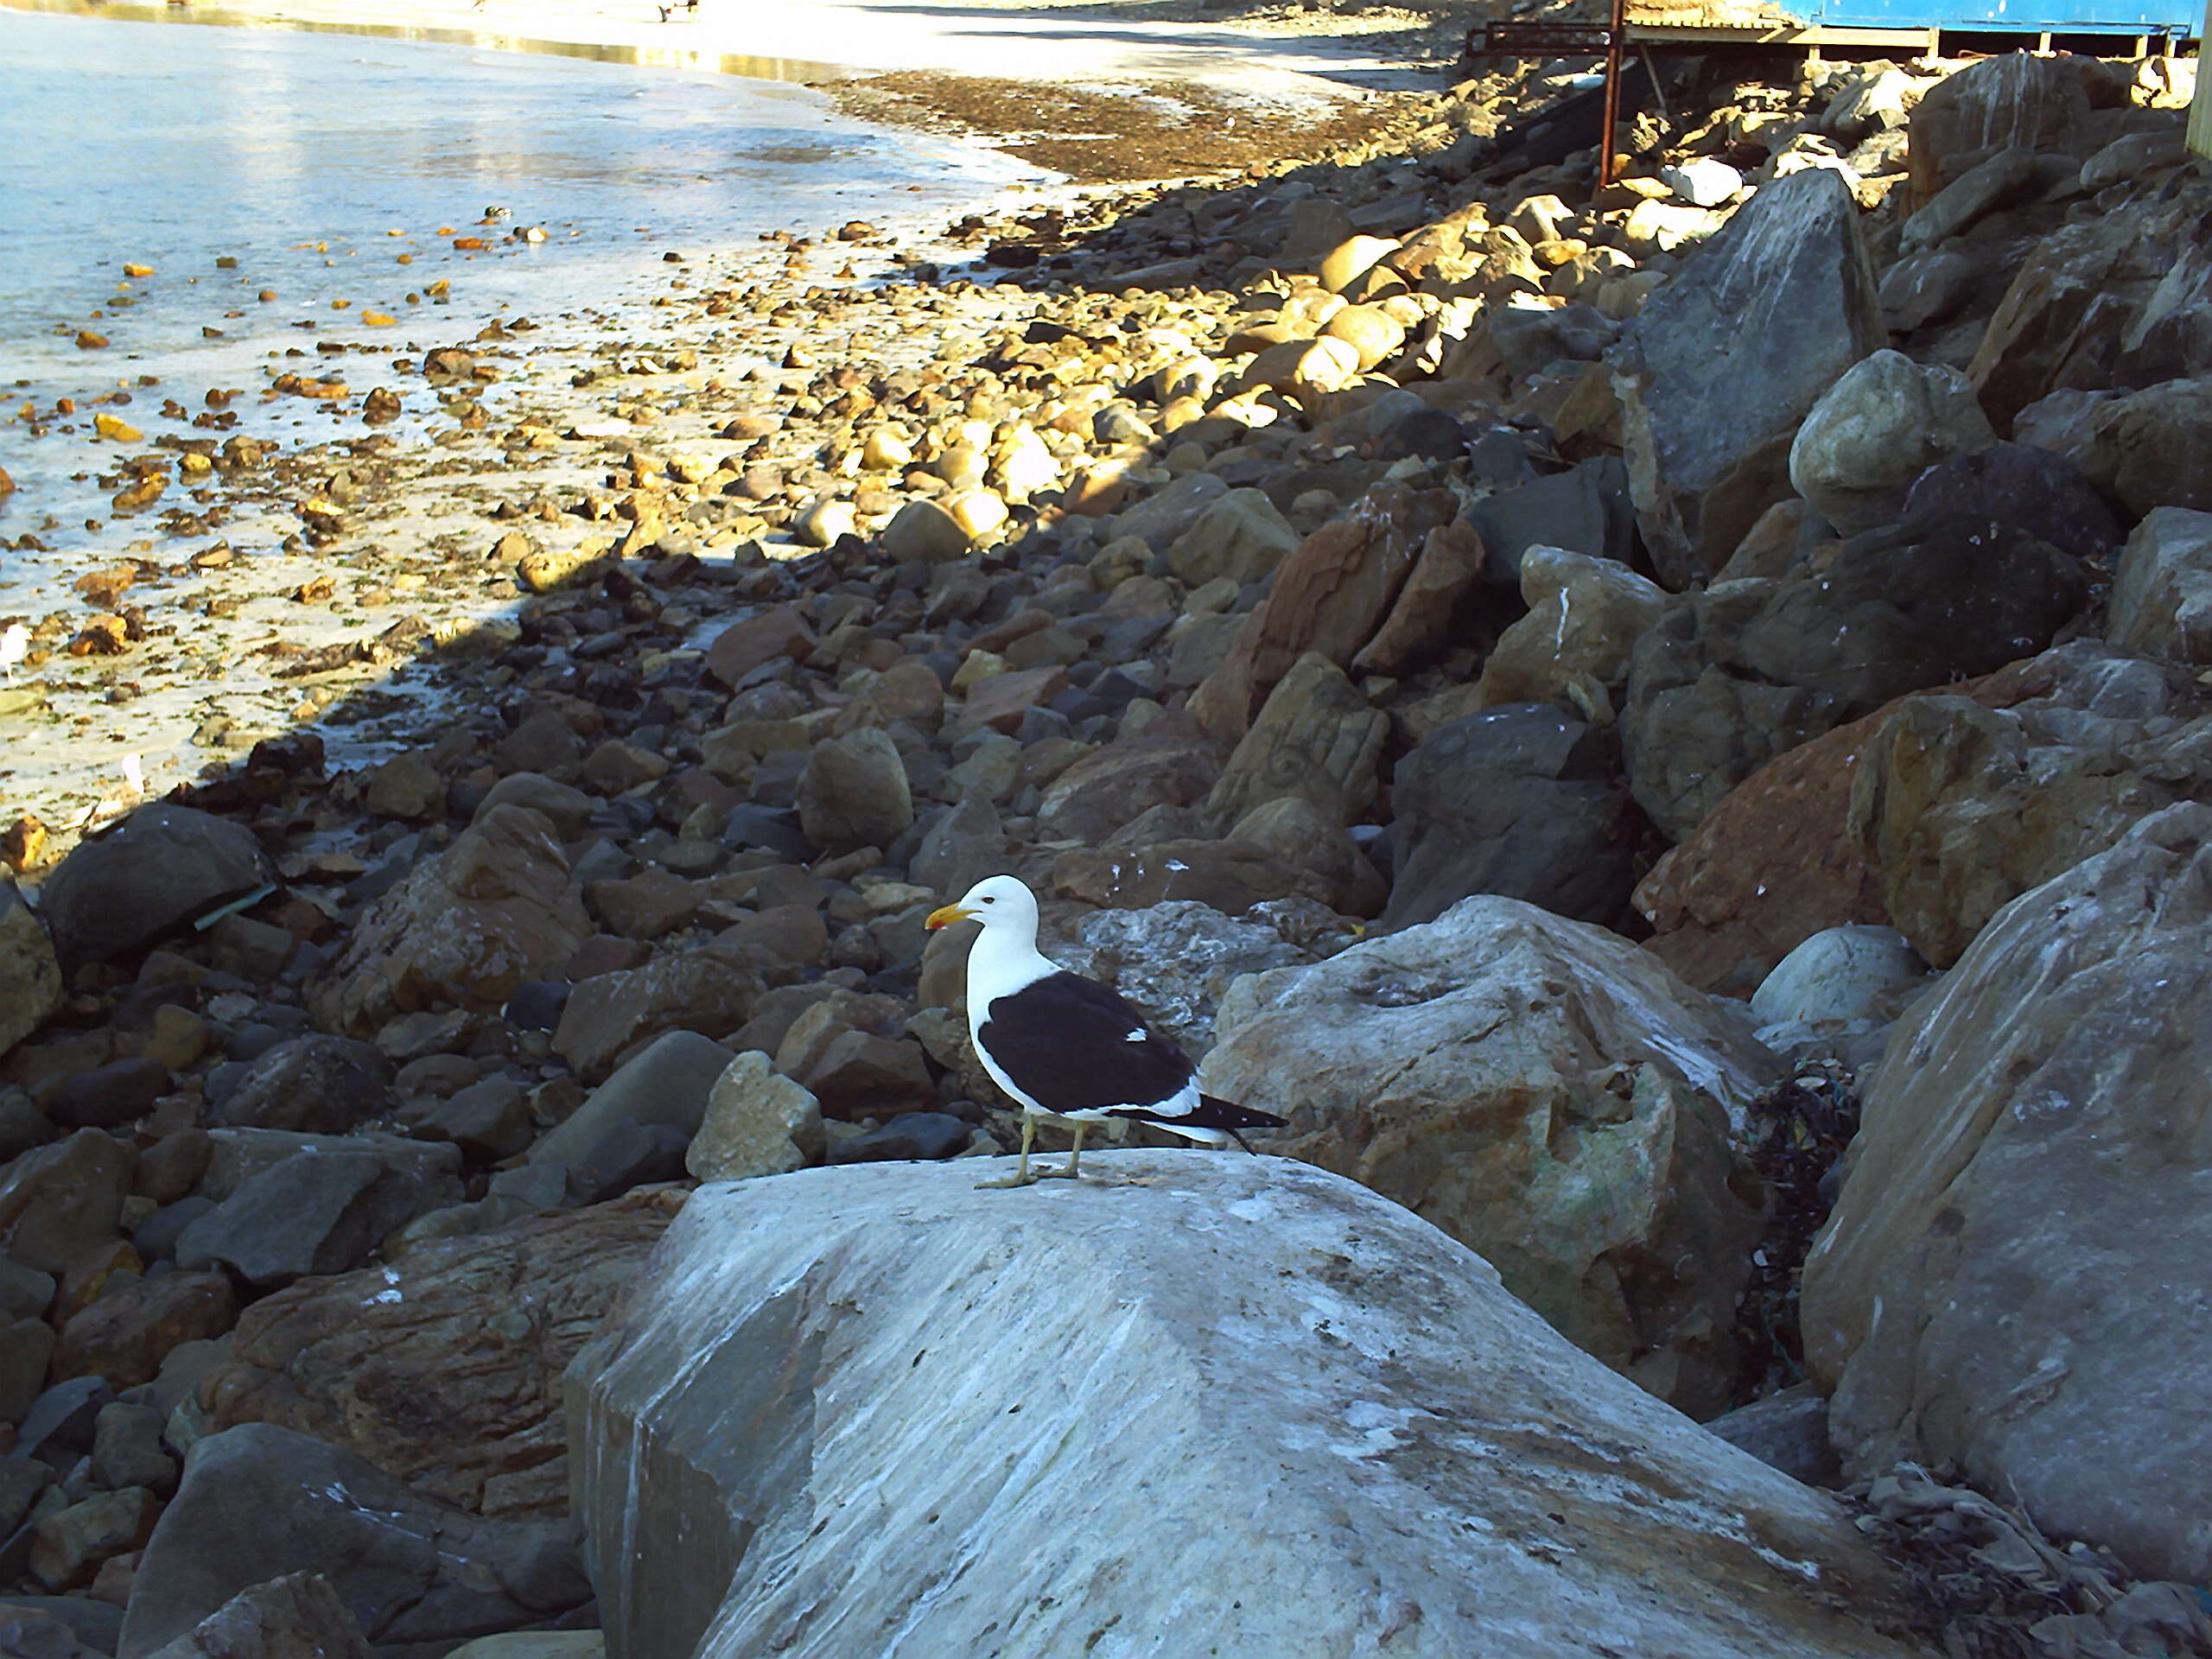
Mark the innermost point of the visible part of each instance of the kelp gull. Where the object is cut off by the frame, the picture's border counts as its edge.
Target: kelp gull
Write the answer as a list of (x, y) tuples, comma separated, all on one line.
[(1067, 1047)]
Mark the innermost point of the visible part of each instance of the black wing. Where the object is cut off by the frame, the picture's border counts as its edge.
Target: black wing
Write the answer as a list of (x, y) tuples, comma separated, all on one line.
[(1071, 1046)]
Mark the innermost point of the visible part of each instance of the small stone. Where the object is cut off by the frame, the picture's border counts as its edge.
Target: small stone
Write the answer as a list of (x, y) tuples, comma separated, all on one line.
[(71, 1543), (758, 1122)]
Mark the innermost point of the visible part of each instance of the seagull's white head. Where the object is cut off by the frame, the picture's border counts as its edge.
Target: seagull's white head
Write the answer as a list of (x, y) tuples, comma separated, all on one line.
[(998, 902)]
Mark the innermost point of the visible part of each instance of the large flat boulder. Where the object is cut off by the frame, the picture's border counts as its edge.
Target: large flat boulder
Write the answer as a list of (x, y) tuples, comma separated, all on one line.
[(1227, 1405), (1544, 1092), (2011, 1278), (1722, 362)]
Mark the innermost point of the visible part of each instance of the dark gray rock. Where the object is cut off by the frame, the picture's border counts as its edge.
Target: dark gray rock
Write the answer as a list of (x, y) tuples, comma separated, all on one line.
[(316, 1213), (2028, 488), (94, 1624), (1532, 341), (1523, 800), (61, 1423), (259, 1502), (1584, 509), (314, 1085), (109, 1095), (1747, 670), (910, 1136), (1720, 365), (664, 1087), (1787, 1431), (155, 871)]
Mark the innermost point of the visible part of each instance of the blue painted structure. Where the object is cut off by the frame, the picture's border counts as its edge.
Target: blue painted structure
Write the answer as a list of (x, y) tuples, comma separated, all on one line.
[(2176, 17)]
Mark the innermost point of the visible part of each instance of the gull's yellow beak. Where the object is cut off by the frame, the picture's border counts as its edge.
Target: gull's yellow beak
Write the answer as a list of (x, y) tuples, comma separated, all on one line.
[(947, 915)]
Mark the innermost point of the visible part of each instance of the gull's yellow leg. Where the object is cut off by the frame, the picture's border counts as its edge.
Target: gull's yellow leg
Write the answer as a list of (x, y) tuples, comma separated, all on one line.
[(1022, 1177), (1073, 1171)]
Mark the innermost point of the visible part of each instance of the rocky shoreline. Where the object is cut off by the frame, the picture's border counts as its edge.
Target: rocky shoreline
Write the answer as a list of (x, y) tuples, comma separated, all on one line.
[(1669, 675)]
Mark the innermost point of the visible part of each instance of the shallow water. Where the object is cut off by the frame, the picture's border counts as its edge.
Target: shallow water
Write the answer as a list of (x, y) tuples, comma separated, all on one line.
[(337, 171)]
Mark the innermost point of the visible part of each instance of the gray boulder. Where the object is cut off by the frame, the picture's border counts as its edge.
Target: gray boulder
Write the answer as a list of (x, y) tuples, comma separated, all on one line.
[(316, 1213), (313, 1085), (1524, 801), (259, 1503), (1722, 362), (158, 869), (1549, 1094), (1319, 1414), (1175, 960), (2007, 1280), (1748, 670), (660, 1097), (2161, 603)]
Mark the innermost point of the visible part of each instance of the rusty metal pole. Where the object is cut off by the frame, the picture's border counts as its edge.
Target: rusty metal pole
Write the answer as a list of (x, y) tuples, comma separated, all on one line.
[(1615, 41)]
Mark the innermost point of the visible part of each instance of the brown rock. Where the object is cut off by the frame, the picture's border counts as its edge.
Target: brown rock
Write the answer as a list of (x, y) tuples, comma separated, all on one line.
[(855, 794), (705, 990), (787, 932), (544, 742), (496, 908), (126, 1334), (406, 786), (644, 906), (1000, 701), (444, 1369), (69, 1544), (1293, 829), (856, 1073), (1962, 808), (615, 768), (1172, 763), (172, 1166), (59, 1202), (1328, 597), (1317, 737), (31, 976), (743, 646), (1724, 910), (1229, 876), (1420, 622)]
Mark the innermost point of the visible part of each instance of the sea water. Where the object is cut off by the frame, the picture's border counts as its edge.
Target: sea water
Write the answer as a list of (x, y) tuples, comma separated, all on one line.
[(336, 172)]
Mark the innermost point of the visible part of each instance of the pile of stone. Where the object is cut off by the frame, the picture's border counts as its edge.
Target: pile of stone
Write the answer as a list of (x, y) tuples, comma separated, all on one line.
[(1511, 672)]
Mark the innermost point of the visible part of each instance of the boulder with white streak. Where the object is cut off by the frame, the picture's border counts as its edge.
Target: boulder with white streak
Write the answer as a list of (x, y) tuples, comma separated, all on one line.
[(1208, 1404)]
